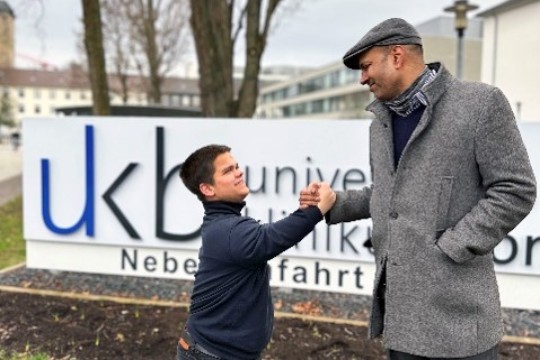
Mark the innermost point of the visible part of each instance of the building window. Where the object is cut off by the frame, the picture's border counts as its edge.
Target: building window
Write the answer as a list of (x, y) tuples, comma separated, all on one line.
[(293, 90), (83, 95), (334, 79), (175, 99), (37, 109), (21, 93), (350, 76), (37, 94), (186, 100), (52, 94), (21, 108), (68, 95), (317, 106)]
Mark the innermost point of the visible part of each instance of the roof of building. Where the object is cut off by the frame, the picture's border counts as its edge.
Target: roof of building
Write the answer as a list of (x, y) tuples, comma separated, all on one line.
[(505, 6), (77, 78), (180, 85), (5, 8), (41, 78)]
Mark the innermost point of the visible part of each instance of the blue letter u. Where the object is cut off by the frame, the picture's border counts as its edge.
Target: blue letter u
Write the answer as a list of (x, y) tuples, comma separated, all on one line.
[(87, 216)]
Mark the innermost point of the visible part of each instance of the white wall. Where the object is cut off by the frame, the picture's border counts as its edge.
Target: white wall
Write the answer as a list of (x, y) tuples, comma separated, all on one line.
[(510, 58)]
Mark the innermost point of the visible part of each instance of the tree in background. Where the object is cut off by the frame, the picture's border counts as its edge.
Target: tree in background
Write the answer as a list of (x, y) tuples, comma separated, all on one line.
[(93, 43), (6, 113), (118, 47), (216, 26), (148, 35)]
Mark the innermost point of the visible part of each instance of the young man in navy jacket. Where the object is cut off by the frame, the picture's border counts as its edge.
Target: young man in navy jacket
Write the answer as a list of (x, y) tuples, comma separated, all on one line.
[(231, 312)]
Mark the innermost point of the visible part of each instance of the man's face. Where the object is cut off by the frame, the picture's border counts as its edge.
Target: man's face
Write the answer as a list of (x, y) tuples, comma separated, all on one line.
[(229, 182), (378, 73)]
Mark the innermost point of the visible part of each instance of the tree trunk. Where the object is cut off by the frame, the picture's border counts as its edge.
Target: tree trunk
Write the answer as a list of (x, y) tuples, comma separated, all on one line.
[(93, 42), (211, 23), (152, 53), (255, 45)]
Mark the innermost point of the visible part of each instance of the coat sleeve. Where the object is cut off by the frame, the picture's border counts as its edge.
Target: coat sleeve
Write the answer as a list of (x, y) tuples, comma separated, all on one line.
[(506, 175), (350, 205)]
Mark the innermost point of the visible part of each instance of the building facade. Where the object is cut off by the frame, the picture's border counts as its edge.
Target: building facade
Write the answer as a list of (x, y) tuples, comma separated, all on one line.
[(331, 91), (39, 93), (511, 43), (44, 92)]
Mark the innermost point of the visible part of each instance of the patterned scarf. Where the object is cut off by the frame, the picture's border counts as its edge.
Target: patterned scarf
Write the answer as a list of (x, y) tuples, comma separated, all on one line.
[(413, 97)]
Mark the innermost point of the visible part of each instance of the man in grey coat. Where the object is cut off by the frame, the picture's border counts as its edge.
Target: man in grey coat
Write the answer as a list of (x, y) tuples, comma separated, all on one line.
[(451, 177)]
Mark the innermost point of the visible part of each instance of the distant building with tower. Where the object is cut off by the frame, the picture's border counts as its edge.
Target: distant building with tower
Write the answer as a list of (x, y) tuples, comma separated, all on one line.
[(46, 90)]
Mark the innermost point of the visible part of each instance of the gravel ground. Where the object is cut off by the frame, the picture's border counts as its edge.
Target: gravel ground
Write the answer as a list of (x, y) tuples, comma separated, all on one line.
[(342, 306)]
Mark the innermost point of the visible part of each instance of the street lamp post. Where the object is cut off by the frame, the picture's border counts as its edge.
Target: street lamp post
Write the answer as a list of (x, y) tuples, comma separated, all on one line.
[(460, 9)]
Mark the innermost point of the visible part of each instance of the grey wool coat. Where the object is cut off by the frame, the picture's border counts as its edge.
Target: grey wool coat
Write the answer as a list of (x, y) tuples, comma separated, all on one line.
[(463, 182)]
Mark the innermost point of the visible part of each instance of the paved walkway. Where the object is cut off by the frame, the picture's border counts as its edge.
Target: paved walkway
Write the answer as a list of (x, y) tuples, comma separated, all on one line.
[(10, 173)]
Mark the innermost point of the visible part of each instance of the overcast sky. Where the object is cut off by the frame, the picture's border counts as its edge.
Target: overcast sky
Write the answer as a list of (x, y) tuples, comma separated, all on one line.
[(318, 32)]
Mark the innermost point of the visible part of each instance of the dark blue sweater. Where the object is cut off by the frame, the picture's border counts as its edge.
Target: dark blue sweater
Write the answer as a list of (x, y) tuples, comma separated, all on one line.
[(402, 128), (231, 313)]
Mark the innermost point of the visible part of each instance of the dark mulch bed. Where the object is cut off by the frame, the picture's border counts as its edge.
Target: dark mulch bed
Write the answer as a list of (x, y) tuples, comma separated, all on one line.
[(81, 329)]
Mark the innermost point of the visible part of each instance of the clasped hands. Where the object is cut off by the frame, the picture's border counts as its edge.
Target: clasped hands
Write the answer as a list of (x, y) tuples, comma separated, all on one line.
[(318, 194)]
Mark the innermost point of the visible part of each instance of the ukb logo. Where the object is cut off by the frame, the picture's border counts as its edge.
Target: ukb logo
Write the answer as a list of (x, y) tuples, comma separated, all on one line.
[(87, 217)]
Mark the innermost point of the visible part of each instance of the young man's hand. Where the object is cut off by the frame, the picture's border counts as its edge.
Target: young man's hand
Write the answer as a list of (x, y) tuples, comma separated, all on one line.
[(309, 196)]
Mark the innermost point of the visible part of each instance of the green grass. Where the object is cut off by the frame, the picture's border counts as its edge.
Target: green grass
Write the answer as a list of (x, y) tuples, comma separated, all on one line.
[(12, 245), (6, 356)]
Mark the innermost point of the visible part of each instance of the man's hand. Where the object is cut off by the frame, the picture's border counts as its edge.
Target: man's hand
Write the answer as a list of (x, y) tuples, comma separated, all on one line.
[(309, 196), (327, 197)]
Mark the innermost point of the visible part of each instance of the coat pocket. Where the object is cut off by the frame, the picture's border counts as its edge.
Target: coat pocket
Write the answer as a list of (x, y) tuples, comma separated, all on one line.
[(445, 195)]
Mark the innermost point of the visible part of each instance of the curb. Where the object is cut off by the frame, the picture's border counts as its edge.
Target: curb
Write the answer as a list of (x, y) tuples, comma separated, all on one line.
[(138, 301), (11, 268), (90, 297)]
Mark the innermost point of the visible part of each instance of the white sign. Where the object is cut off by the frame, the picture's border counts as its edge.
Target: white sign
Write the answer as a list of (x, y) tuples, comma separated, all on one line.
[(103, 195)]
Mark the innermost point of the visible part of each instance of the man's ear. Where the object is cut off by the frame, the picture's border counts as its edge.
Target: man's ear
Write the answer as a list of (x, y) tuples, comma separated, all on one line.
[(206, 189), (397, 53)]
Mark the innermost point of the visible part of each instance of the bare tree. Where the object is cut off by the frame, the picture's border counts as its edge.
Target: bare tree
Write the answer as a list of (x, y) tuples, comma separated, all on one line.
[(93, 42), (6, 113), (155, 38), (216, 27), (118, 47)]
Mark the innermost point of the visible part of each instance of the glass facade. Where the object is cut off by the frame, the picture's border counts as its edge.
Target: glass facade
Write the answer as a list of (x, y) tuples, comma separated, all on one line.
[(330, 80), (320, 102)]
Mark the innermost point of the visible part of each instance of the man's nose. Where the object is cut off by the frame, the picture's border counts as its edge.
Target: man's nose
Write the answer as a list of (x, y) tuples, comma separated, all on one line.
[(363, 78)]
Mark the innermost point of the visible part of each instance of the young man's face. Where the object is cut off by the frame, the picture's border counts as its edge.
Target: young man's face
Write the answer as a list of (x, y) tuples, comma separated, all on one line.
[(229, 182)]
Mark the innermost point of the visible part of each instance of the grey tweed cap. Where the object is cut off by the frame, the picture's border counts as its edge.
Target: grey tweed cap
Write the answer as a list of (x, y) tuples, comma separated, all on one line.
[(393, 31)]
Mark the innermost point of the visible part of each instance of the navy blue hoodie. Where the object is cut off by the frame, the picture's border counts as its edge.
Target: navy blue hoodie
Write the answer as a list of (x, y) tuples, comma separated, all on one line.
[(231, 312)]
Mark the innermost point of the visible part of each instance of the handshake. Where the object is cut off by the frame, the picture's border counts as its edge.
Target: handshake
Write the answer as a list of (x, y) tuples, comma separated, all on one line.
[(318, 194)]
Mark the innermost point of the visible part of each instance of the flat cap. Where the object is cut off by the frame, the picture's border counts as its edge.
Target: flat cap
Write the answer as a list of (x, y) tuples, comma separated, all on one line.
[(393, 31)]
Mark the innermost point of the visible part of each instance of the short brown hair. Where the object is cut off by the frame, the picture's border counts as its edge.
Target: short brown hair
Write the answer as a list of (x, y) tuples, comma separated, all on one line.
[(198, 168)]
